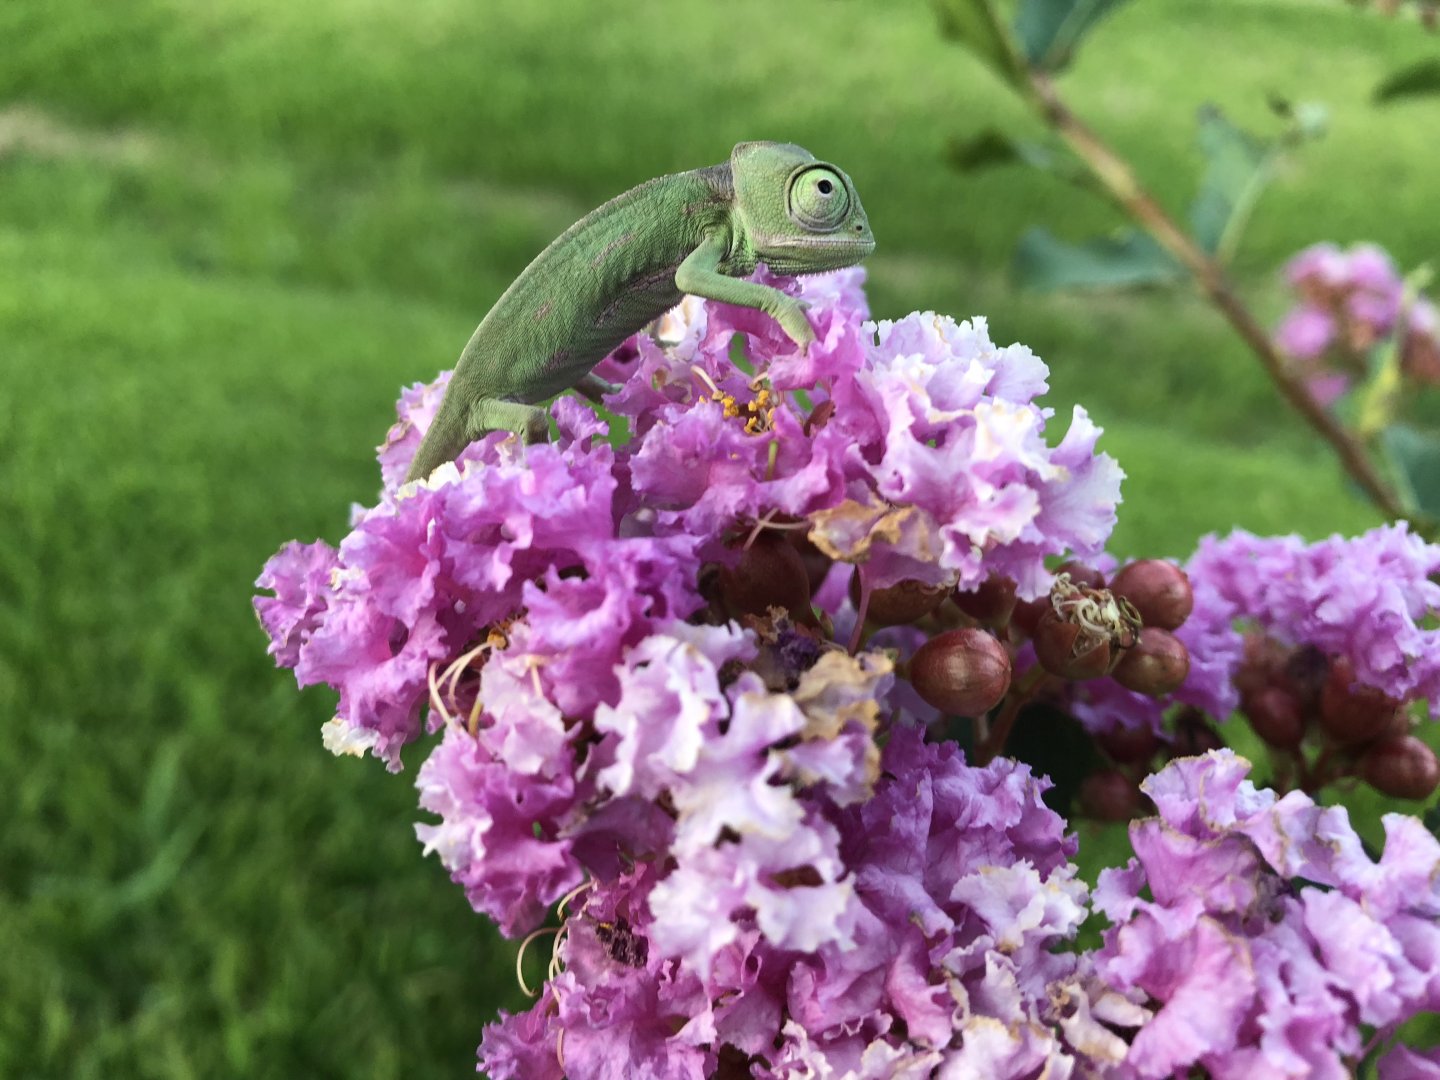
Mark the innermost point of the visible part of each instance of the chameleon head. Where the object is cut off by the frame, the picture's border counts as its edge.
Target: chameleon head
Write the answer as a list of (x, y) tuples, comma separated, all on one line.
[(801, 216)]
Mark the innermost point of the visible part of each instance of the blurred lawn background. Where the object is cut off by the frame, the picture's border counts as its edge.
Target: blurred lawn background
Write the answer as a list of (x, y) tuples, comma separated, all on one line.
[(231, 230)]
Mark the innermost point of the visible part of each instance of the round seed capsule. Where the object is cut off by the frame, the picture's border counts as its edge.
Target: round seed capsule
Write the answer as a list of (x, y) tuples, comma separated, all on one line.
[(961, 672), (1402, 766), (1156, 665), (1160, 591)]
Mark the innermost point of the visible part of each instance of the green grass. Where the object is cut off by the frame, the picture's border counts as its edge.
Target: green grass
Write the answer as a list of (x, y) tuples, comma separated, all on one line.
[(231, 231)]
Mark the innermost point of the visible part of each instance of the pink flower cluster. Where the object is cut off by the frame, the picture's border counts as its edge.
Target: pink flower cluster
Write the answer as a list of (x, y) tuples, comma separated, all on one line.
[(936, 950), (759, 864), (717, 793), (1369, 601), (1270, 943), (1348, 302)]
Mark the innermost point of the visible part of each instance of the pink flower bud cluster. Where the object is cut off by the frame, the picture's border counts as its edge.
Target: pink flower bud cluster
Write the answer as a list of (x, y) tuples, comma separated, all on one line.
[(1263, 937), (1348, 302)]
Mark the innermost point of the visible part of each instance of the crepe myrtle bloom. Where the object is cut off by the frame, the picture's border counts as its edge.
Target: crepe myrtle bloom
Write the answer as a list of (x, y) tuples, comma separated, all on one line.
[(754, 859), (945, 955), (1264, 937), (1336, 638), (1348, 302), (921, 455)]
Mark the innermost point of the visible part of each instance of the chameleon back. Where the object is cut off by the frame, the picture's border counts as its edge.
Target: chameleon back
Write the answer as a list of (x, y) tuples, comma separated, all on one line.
[(602, 280)]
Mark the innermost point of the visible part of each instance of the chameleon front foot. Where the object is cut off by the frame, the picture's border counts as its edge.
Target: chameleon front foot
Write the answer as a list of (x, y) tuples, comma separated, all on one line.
[(529, 422)]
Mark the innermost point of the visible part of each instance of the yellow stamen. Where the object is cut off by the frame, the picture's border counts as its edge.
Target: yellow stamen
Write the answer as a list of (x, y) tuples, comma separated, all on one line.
[(520, 958)]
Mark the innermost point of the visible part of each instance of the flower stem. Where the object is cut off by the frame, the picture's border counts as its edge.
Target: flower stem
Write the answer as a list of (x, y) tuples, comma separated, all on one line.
[(1118, 180), (861, 610), (991, 744)]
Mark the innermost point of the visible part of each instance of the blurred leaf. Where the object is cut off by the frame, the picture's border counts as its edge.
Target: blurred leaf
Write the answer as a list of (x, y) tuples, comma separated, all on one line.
[(1416, 456), (1049, 31), (1128, 258), (1431, 820), (1417, 80), (1310, 120), (976, 25), (1054, 745), (1237, 167), (993, 147)]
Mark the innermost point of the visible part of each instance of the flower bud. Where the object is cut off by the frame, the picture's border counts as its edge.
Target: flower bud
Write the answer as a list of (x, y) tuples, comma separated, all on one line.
[(991, 603), (1028, 613), (1109, 795), (1129, 745), (1263, 663), (1082, 574), (1064, 649), (817, 563), (899, 604), (769, 573), (1304, 675), (1351, 712), (961, 672), (1160, 591), (1275, 715), (1194, 735), (1157, 664), (1401, 766), (1085, 631)]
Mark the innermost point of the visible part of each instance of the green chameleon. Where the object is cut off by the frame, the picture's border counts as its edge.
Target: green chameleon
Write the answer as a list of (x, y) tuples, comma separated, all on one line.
[(627, 263)]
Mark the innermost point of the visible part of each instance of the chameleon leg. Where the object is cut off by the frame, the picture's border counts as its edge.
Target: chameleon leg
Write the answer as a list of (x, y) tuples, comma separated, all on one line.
[(530, 422), (699, 276), (593, 387)]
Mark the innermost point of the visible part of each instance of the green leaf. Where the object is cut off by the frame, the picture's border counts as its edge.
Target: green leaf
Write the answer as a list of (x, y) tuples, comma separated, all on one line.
[(976, 25), (1049, 31), (1417, 80), (1054, 745), (1431, 820), (1237, 168), (992, 147), (1125, 259), (1415, 454)]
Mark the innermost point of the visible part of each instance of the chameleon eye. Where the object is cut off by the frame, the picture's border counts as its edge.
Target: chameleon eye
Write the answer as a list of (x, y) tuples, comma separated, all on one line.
[(818, 199)]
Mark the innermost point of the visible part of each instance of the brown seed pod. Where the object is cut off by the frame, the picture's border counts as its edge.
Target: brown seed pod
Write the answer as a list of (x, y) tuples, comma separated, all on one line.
[(1156, 665), (1028, 613), (1081, 574), (1401, 766), (1127, 746), (1109, 795), (1275, 714), (1351, 712), (1263, 664), (1160, 591), (1304, 675), (961, 672), (1194, 734), (991, 603), (769, 573), (1085, 631), (817, 563), (1065, 649), (899, 604)]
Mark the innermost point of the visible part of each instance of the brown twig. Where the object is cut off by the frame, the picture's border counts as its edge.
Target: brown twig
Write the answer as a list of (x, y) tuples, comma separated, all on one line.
[(1120, 183), (992, 742)]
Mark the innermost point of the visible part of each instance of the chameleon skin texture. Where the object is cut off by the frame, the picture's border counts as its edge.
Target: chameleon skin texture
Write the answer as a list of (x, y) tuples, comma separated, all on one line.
[(630, 261)]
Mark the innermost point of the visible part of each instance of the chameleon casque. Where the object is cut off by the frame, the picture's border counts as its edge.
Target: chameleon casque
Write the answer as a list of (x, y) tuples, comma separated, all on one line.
[(630, 261)]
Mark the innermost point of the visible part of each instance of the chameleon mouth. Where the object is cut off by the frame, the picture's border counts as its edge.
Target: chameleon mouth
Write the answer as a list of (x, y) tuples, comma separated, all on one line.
[(817, 254), (839, 243)]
